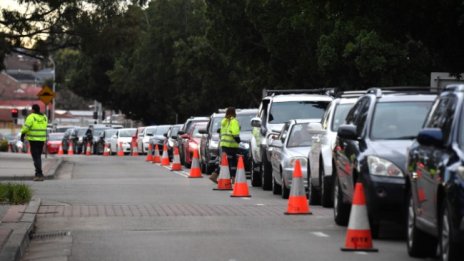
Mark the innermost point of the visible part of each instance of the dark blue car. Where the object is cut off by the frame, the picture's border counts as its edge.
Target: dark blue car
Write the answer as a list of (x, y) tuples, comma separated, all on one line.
[(435, 176)]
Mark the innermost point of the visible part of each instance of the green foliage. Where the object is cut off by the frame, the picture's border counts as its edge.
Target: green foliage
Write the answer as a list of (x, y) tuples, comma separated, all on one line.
[(177, 58), (3, 145), (12, 193)]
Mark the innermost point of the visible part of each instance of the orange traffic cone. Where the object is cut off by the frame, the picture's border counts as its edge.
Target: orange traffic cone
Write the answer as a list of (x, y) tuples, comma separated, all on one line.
[(120, 150), (240, 185), (176, 161), (149, 153), (156, 157), (358, 237), (135, 149), (88, 149), (165, 156), (297, 201), (60, 149), (195, 171), (106, 150), (223, 181), (70, 148)]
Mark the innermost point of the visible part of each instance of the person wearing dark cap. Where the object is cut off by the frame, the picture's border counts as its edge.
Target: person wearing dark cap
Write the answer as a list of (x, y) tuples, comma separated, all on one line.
[(35, 131)]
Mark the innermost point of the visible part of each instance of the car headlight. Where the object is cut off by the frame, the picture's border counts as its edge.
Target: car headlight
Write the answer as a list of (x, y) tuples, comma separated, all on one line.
[(213, 145), (193, 146), (382, 167), (301, 159), (244, 145)]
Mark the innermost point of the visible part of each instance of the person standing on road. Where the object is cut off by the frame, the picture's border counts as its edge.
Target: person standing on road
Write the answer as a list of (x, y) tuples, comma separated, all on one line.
[(35, 130), (229, 142), (88, 138)]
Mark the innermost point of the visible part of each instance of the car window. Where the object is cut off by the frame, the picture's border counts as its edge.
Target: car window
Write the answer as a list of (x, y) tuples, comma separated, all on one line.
[(339, 116), (442, 115), (110, 133), (161, 130), (361, 117), (299, 136), (283, 132), (126, 133), (281, 112), (391, 122), (325, 118), (245, 121), (150, 131)]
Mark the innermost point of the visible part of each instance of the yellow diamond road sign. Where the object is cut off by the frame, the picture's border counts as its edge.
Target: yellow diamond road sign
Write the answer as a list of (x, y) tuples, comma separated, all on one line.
[(46, 95)]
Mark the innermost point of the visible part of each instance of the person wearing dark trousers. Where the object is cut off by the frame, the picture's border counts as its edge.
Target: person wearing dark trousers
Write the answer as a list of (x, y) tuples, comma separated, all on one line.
[(35, 131), (230, 139)]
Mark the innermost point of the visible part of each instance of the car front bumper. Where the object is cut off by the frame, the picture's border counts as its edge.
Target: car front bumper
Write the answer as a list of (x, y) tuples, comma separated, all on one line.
[(385, 197), (288, 176)]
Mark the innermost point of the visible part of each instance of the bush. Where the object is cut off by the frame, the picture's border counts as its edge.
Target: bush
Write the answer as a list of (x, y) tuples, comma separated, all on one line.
[(15, 193), (3, 145)]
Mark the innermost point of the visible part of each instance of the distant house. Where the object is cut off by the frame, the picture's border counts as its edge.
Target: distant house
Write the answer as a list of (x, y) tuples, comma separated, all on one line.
[(19, 84)]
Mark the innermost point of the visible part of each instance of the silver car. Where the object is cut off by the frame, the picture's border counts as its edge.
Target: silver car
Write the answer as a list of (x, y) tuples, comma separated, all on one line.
[(292, 143)]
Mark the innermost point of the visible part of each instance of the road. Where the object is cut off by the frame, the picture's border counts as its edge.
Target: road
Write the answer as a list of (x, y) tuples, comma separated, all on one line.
[(123, 208)]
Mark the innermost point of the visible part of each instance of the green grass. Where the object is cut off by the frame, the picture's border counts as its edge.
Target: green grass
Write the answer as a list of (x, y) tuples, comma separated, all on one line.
[(13, 193)]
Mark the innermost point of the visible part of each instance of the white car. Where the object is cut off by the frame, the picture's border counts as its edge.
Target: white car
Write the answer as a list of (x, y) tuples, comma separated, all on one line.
[(291, 144), (122, 138), (320, 156), (144, 138)]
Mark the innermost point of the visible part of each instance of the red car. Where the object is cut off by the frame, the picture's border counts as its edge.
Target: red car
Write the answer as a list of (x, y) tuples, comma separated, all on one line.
[(191, 141), (54, 142)]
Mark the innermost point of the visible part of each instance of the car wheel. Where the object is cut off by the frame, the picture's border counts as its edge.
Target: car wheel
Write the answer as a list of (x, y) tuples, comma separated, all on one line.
[(325, 191), (313, 195), (255, 174), (375, 227), (419, 243), (276, 188), (341, 209), (449, 247), (266, 174), (285, 190)]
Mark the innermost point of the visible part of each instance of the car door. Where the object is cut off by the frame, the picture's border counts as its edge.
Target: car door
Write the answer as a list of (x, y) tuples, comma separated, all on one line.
[(347, 150), (316, 145), (430, 158), (276, 151)]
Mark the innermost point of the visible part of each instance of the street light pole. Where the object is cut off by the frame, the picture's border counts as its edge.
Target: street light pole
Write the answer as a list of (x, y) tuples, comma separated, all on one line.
[(54, 91)]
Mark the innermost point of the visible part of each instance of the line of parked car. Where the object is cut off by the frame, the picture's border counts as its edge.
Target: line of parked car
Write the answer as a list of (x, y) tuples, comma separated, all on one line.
[(405, 144)]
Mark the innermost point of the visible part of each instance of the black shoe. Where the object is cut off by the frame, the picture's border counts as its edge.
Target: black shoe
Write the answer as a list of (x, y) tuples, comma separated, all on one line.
[(39, 178)]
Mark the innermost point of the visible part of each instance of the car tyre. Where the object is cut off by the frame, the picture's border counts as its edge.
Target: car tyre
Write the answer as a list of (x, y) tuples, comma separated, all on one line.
[(450, 250), (285, 190), (313, 195), (266, 174), (255, 174), (341, 209), (325, 191), (276, 188), (419, 243)]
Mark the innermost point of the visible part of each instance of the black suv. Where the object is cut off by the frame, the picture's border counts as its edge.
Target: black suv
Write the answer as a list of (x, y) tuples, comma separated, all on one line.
[(435, 179), (371, 148)]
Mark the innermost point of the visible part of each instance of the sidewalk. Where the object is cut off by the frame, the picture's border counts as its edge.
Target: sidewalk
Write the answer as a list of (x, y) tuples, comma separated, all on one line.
[(17, 221)]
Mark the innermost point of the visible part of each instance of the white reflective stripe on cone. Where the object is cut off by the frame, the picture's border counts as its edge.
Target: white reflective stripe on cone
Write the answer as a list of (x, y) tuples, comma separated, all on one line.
[(358, 218)]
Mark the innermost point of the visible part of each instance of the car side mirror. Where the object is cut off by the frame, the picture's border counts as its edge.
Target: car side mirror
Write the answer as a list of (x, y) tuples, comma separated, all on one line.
[(202, 131), (430, 137), (276, 143), (174, 137), (347, 131), (256, 122), (165, 135), (180, 132)]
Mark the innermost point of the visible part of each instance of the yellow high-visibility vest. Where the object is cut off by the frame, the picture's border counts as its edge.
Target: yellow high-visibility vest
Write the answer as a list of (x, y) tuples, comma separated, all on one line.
[(229, 130), (35, 127)]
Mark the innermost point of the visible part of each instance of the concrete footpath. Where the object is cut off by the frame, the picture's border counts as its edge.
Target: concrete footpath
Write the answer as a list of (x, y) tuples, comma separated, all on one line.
[(17, 221)]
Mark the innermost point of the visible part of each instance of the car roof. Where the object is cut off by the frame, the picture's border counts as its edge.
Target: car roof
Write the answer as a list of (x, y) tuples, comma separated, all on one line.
[(302, 121), (346, 100), (127, 129), (300, 97), (398, 97)]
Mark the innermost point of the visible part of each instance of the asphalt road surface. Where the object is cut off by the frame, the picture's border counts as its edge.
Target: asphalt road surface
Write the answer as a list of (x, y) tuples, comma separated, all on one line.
[(123, 208)]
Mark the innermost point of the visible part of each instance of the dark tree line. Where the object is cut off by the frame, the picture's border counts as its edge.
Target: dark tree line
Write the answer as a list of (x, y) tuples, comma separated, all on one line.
[(155, 60)]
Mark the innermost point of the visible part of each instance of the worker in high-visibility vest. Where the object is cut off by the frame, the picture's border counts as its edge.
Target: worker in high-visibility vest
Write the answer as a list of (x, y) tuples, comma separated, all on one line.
[(35, 131), (229, 143)]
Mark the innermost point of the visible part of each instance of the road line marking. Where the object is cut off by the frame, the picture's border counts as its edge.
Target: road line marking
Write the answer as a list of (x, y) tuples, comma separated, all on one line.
[(246, 198), (320, 234), (260, 204), (361, 253)]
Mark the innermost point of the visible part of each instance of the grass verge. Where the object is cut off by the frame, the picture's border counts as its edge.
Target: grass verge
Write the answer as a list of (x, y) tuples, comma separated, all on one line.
[(13, 193)]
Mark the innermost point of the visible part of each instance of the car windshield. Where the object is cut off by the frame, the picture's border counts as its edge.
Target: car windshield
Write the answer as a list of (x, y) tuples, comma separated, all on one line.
[(245, 121), (55, 136), (216, 124), (127, 133), (81, 132), (161, 130), (174, 131), (299, 136), (196, 130), (399, 120), (339, 115), (281, 112), (110, 133), (98, 132), (150, 131)]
